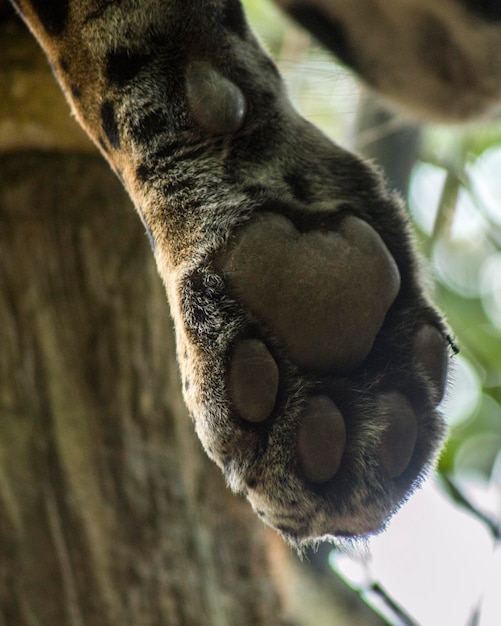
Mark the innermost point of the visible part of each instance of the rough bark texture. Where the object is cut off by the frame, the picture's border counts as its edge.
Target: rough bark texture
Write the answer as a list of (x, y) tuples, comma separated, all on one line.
[(110, 513)]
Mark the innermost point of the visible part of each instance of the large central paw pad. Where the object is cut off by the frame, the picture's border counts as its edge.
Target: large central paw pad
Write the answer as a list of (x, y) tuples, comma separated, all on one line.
[(324, 293)]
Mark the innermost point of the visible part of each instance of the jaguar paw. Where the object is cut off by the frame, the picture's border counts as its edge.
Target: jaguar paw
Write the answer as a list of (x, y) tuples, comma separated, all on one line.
[(322, 405)]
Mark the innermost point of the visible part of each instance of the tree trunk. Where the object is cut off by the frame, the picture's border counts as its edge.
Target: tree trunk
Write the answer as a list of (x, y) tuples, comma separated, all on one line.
[(110, 513)]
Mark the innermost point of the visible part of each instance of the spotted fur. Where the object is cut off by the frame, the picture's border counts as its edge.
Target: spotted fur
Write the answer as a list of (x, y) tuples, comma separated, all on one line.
[(311, 358)]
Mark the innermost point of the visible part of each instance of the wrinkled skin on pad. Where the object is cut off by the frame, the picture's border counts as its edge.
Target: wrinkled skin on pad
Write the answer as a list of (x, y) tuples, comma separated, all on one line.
[(311, 358)]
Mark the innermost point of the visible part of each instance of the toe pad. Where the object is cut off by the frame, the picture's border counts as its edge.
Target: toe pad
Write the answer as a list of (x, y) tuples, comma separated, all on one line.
[(253, 380), (432, 357), (321, 439), (400, 436)]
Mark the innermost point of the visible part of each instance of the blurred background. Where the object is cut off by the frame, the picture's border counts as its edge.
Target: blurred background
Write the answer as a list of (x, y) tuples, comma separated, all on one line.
[(439, 563)]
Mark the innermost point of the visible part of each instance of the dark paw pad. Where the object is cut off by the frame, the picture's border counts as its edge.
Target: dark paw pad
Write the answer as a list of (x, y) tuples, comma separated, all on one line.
[(321, 439), (216, 103), (253, 380), (325, 294), (432, 357), (400, 435)]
